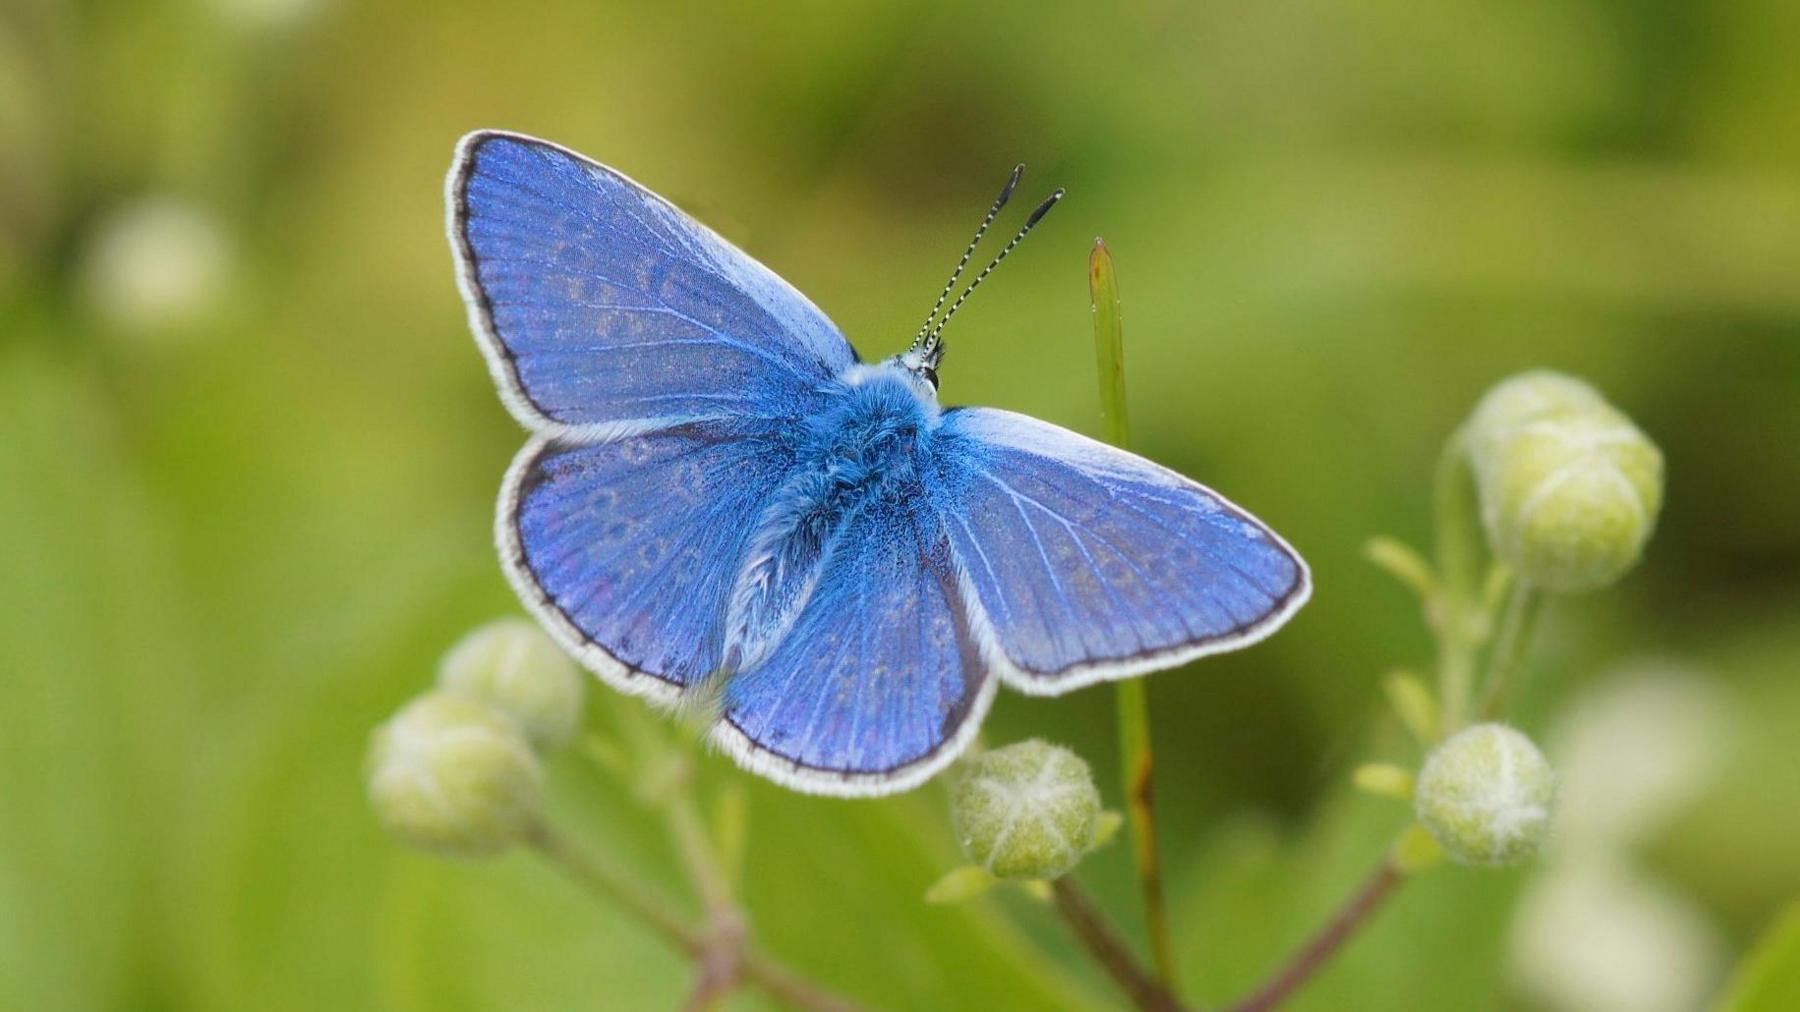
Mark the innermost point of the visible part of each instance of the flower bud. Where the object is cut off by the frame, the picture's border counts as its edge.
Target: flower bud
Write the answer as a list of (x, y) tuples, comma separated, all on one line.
[(512, 666), (158, 264), (1026, 811), (1485, 794), (1570, 488), (451, 775)]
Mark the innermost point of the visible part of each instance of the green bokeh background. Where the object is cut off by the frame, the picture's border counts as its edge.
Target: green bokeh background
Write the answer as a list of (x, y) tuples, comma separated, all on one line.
[(233, 540)]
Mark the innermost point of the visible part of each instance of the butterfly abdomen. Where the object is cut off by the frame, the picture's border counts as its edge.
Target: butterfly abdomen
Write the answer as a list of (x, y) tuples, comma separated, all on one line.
[(865, 451)]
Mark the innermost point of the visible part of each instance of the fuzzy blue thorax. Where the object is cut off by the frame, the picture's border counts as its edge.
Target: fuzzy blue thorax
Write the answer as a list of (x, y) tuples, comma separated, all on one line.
[(865, 449)]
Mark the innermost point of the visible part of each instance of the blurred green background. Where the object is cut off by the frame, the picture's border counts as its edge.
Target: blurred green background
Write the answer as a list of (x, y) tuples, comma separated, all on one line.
[(248, 455)]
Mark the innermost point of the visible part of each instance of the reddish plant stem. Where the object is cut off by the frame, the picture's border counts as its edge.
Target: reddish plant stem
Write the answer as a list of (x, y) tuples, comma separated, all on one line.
[(1313, 956), (1145, 991), (752, 964)]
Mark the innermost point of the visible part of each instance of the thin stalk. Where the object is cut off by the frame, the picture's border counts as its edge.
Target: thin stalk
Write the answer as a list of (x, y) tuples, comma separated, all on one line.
[(1145, 991), (613, 884), (727, 930), (1313, 956), (783, 983), (1136, 760), (695, 846), (1452, 613), (1505, 663)]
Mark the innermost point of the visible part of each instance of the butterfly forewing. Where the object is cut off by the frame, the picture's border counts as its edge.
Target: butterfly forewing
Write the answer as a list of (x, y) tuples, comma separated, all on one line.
[(601, 305)]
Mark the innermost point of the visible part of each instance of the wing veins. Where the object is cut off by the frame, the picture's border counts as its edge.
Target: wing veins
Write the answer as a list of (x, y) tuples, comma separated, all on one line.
[(719, 336), (1067, 524), (1068, 607)]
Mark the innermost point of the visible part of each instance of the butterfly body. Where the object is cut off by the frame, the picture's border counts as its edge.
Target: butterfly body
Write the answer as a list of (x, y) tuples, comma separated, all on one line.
[(718, 493), (863, 449)]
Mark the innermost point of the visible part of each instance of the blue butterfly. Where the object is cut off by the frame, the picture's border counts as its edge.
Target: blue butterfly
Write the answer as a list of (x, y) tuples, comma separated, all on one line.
[(720, 500)]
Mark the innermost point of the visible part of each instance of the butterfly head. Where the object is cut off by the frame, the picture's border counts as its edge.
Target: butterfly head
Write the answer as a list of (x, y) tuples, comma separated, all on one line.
[(928, 347), (915, 362)]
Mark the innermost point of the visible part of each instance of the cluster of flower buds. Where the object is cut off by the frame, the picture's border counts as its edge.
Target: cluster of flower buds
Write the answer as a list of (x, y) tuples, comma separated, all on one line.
[(1569, 487), (1569, 491), (512, 666), (458, 771)]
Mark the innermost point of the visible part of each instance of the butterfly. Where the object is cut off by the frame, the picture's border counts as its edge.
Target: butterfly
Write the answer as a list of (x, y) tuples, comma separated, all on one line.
[(720, 500)]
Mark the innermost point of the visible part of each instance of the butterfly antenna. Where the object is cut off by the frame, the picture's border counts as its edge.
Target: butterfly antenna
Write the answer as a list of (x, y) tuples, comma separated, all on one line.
[(1006, 193), (929, 352)]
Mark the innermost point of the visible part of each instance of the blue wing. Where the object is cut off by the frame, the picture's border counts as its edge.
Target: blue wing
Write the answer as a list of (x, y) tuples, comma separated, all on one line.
[(1091, 563), (601, 305), (880, 682), (626, 550)]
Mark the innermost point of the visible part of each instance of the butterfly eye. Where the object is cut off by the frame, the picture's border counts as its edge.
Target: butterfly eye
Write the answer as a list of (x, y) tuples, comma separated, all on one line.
[(930, 375)]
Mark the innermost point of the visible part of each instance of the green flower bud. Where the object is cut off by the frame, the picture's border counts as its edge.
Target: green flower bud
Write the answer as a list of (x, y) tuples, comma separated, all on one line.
[(1486, 794), (1026, 811), (514, 667), (1570, 488), (452, 775)]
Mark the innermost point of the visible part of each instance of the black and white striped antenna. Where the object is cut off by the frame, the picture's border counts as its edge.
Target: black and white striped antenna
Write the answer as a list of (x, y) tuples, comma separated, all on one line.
[(927, 347)]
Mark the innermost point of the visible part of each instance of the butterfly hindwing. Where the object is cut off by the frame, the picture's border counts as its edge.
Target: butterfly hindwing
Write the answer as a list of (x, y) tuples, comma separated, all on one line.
[(601, 305), (627, 549), (1091, 563), (880, 682)]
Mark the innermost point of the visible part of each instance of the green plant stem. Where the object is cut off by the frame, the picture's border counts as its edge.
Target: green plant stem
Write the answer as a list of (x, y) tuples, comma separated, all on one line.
[(1145, 991), (1517, 623), (1109, 344), (1318, 950), (1452, 614), (1136, 760), (615, 885), (727, 930), (1138, 765), (695, 846)]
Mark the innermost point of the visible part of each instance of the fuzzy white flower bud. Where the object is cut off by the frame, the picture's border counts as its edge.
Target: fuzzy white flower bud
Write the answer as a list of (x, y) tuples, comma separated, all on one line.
[(1570, 488), (159, 263), (451, 775), (1486, 795), (511, 665), (1026, 811)]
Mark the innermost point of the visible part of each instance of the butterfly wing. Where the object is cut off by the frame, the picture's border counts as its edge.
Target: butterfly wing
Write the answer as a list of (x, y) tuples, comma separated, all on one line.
[(1090, 563), (604, 309), (626, 550), (880, 682)]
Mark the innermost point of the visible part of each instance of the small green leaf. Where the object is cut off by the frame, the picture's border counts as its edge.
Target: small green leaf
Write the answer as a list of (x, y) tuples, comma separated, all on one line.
[(1768, 979), (1384, 779), (1414, 704), (1107, 827), (1416, 850), (1401, 561), (961, 884), (1036, 888), (1493, 589)]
